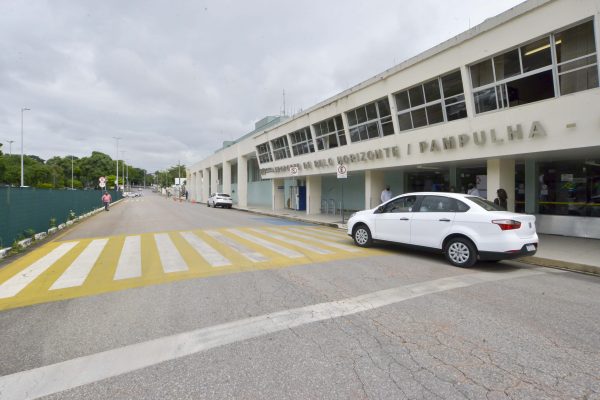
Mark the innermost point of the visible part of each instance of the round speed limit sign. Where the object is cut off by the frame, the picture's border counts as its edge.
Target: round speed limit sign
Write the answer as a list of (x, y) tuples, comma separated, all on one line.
[(294, 171)]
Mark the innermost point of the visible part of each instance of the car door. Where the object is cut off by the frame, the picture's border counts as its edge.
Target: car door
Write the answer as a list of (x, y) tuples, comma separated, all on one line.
[(393, 219), (432, 221)]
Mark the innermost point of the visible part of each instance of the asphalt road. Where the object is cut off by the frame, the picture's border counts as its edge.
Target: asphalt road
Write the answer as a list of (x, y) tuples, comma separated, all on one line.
[(387, 323)]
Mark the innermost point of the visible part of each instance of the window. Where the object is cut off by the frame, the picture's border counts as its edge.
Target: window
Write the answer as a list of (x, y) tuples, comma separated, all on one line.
[(401, 204), (438, 100), (281, 148), (526, 74), (330, 133), (370, 121), (577, 59), (302, 142), (438, 204), (263, 152)]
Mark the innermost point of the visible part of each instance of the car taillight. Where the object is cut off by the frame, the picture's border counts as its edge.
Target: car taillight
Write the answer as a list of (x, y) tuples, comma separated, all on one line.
[(507, 224)]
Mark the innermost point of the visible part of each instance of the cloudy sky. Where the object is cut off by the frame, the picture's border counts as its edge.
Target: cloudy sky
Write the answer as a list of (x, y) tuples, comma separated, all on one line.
[(175, 78)]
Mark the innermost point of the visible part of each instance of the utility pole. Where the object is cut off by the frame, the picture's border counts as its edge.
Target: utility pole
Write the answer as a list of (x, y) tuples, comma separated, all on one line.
[(71, 172), (117, 175), (22, 176), (10, 142), (123, 157)]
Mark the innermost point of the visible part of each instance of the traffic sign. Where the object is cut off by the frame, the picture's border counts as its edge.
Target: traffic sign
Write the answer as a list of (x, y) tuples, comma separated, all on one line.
[(102, 179), (294, 171), (342, 171), (102, 184)]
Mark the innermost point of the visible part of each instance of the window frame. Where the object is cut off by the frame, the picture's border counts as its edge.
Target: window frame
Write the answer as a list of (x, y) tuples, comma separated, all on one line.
[(282, 150), (366, 126), (306, 142)]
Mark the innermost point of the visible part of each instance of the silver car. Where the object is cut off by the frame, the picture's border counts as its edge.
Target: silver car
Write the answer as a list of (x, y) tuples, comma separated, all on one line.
[(219, 200)]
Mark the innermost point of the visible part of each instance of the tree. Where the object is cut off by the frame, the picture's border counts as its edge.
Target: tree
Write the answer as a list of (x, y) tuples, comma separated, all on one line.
[(93, 167)]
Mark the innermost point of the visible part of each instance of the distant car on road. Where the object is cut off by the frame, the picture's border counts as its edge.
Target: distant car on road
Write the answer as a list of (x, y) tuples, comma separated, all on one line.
[(219, 200), (464, 228)]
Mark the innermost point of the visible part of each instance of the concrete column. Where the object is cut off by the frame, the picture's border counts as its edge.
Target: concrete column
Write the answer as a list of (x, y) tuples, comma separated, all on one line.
[(214, 178), (278, 202), (469, 102), (346, 130), (242, 185), (227, 177), (453, 177), (313, 194), (205, 184), (501, 174), (374, 185)]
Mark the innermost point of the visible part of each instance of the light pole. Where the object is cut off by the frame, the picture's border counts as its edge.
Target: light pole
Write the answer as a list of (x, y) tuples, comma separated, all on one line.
[(117, 175), (10, 142), (22, 176), (123, 158), (71, 172)]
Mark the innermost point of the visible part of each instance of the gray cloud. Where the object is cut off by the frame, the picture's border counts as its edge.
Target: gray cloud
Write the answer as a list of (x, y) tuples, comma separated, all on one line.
[(176, 79)]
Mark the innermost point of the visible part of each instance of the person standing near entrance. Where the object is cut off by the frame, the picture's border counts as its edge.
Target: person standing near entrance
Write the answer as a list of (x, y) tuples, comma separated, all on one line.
[(106, 199), (386, 194), (502, 199), (473, 191)]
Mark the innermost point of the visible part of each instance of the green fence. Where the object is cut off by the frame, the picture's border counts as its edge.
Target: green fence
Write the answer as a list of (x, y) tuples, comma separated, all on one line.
[(30, 209)]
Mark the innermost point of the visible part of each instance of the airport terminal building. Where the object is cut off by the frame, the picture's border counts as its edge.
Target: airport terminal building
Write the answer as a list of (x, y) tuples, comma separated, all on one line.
[(512, 103)]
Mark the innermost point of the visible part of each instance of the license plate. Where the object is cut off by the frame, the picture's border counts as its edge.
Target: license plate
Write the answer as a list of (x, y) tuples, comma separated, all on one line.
[(530, 247)]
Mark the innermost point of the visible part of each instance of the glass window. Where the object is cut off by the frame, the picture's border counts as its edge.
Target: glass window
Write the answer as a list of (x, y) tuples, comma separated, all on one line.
[(569, 187), (432, 90), (536, 55), (416, 96), (507, 65), (576, 81), (482, 73), (485, 100), (575, 42), (302, 142), (377, 125), (485, 204), (264, 153), (281, 149), (405, 121), (452, 84), (419, 117), (330, 133), (531, 88), (437, 204), (399, 205), (456, 111), (435, 114), (402, 101)]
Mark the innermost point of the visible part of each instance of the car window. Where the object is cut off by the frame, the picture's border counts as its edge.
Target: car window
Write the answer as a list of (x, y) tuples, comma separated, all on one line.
[(438, 204), (401, 204), (461, 207), (485, 204)]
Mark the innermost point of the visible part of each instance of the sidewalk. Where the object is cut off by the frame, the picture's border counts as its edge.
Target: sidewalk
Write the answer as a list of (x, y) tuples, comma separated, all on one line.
[(571, 253)]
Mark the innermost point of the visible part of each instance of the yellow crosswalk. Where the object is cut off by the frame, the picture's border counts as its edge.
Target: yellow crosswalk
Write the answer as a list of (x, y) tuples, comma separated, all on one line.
[(70, 269)]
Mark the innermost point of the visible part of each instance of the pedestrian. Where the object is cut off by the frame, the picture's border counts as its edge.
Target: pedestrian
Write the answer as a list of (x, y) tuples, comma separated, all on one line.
[(106, 199), (386, 194), (473, 191), (186, 195), (502, 198)]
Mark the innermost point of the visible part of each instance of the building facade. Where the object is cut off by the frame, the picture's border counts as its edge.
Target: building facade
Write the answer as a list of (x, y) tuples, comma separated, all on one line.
[(512, 103)]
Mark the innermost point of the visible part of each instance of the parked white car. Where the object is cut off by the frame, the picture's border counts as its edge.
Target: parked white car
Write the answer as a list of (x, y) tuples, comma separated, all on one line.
[(464, 228), (219, 200)]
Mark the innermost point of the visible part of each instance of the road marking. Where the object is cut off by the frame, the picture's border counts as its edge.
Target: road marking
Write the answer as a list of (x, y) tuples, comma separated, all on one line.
[(18, 282), (80, 268), (54, 378), (169, 256), (326, 240), (212, 256), (240, 248), (266, 244), (130, 260), (284, 239), (328, 233)]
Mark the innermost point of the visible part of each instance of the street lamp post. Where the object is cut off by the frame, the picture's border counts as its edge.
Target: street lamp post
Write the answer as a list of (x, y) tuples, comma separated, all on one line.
[(22, 176), (123, 158), (117, 175), (71, 172), (10, 142)]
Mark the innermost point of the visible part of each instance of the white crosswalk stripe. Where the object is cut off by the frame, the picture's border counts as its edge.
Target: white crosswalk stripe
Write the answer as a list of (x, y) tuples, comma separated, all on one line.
[(284, 239), (79, 269), (212, 256), (240, 248), (271, 246), (326, 240), (18, 282), (169, 256), (130, 261), (322, 233)]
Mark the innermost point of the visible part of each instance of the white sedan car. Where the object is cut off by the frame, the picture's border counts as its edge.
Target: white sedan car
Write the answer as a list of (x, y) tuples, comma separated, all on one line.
[(219, 200), (464, 228)]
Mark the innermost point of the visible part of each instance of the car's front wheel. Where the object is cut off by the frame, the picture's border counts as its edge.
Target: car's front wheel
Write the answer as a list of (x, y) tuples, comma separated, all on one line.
[(460, 252), (362, 236)]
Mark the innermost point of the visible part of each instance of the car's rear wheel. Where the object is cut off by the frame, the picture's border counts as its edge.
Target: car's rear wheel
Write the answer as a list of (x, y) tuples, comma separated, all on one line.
[(362, 236), (207, 204), (460, 252)]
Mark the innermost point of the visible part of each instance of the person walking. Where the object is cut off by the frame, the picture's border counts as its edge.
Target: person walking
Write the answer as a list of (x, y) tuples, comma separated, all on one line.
[(386, 194), (106, 199), (502, 199)]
